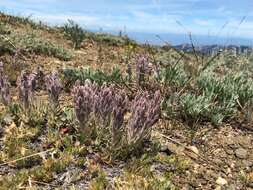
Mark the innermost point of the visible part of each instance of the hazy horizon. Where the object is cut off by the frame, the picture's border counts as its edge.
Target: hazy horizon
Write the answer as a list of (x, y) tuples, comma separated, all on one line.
[(178, 39)]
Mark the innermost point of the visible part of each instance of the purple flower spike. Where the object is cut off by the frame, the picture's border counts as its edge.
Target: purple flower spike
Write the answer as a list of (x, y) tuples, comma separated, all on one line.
[(129, 71), (5, 90), (4, 86), (145, 113), (83, 101), (26, 86), (142, 68), (54, 88), (118, 112), (1, 68), (104, 104)]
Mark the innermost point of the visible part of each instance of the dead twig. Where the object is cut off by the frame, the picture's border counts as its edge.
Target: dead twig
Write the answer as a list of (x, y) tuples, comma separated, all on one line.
[(25, 157), (42, 183)]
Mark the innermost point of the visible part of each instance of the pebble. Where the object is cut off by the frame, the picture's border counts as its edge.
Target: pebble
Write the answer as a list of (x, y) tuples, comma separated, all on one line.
[(247, 163), (241, 153), (7, 120), (221, 181), (194, 149)]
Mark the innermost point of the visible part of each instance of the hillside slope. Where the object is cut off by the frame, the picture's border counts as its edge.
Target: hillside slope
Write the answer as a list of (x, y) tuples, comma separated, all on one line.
[(119, 115)]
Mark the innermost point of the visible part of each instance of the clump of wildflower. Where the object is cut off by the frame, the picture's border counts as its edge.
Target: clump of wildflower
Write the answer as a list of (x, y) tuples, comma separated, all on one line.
[(5, 91), (145, 113), (117, 119), (129, 72), (40, 78), (26, 86), (104, 103), (84, 101), (142, 68), (4, 86), (1, 68), (54, 88)]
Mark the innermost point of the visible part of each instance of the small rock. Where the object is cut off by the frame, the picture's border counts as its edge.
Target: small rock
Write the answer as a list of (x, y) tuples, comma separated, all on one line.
[(221, 181), (166, 150), (194, 149), (229, 151), (7, 120), (250, 185), (230, 142), (241, 153), (250, 177), (175, 149), (229, 171), (247, 163)]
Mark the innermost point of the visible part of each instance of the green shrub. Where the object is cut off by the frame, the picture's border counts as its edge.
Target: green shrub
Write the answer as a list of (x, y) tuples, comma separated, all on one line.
[(231, 87), (173, 75), (71, 75), (215, 98), (194, 107), (75, 33), (110, 39), (32, 44)]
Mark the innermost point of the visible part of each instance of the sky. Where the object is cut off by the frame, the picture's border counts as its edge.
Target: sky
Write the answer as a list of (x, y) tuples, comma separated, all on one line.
[(222, 18)]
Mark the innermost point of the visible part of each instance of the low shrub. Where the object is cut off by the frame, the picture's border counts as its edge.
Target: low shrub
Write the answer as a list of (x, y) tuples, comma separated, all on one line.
[(71, 75), (75, 33), (29, 43)]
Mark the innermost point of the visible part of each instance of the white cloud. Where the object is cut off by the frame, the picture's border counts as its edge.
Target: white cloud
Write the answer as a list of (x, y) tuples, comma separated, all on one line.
[(202, 22)]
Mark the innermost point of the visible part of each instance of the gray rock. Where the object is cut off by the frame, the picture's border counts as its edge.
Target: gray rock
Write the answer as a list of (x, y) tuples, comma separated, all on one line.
[(221, 181), (247, 163), (241, 153), (7, 120)]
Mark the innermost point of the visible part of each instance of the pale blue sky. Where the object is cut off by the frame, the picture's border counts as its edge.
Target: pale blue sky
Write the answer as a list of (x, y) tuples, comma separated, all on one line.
[(204, 17)]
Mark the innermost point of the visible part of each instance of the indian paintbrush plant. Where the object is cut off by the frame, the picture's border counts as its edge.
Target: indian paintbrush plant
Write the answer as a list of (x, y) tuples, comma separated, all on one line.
[(5, 90), (54, 88), (104, 104), (108, 107), (4, 87), (26, 84), (84, 104), (129, 72), (145, 112), (118, 112), (40, 78), (142, 68)]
